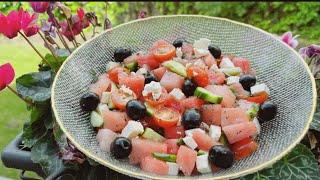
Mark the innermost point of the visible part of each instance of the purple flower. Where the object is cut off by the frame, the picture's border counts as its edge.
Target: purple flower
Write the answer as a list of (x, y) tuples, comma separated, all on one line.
[(142, 14), (288, 39), (48, 28), (107, 23), (310, 51), (39, 7)]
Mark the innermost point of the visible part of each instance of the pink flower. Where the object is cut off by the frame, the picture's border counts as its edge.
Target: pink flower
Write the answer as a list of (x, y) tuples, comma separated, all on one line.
[(76, 28), (288, 39), (10, 24), (310, 51), (82, 16), (80, 13), (39, 7), (28, 24), (6, 75), (142, 14)]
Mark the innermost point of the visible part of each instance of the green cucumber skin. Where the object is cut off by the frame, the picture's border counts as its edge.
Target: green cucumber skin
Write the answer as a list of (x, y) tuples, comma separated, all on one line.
[(223, 140), (207, 95), (152, 135), (253, 111), (232, 71), (176, 67), (132, 66), (180, 142), (150, 110), (200, 152), (95, 119), (165, 157)]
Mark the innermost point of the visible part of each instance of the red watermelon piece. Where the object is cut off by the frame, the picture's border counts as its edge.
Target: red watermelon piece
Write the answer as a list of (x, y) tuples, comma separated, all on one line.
[(133, 81), (192, 102), (229, 98), (239, 91), (240, 131), (204, 141), (186, 159), (171, 80), (159, 72), (233, 116), (211, 114), (153, 165), (172, 146), (243, 63), (113, 120), (101, 85)]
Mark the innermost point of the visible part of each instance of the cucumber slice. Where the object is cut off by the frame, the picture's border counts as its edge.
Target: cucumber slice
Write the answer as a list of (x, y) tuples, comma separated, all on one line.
[(165, 157), (180, 142), (200, 152), (113, 86), (132, 66), (95, 119), (207, 95), (223, 139), (176, 67), (253, 111), (235, 71), (150, 110), (152, 135)]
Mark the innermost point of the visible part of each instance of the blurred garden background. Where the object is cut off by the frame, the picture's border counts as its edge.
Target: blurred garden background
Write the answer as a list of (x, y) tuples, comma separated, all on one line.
[(301, 18)]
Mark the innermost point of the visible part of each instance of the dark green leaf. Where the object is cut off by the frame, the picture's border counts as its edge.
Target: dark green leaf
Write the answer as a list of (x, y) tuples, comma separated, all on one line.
[(63, 53), (315, 124), (59, 136), (35, 86), (55, 62), (298, 164), (45, 152), (32, 133)]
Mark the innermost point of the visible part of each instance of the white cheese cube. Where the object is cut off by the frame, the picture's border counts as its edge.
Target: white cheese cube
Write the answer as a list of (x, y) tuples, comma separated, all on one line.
[(232, 80), (202, 43), (142, 71), (101, 108), (190, 131), (132, 129), (189, 141), (226, 63), (111, 65), (215, 68), (179, 52), (200, 52), (202, 164), (215, 132), (173, 168), (259, 88), (177, 94), (154, 88), (256, 122), (105, 97)]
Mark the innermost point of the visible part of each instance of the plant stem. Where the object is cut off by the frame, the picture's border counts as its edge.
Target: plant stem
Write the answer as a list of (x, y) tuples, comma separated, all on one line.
[(63, 41), (34, 48), (16, 93), (45, 41), (74, 37), (83, 35)]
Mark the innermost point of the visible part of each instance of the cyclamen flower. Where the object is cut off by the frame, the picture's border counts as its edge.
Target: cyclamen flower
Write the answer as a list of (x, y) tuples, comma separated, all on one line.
[(39, 7), (48, 28), (83, 18), (76, 28), (6, 75), (142, 14), (288, 39), (310, 51)]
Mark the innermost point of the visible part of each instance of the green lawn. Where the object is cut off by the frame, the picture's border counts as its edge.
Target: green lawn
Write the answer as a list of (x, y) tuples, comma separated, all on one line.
[(12, 110)]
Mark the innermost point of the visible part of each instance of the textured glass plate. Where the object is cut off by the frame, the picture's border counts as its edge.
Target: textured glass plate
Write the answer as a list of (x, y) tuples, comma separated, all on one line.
[(280, 67)]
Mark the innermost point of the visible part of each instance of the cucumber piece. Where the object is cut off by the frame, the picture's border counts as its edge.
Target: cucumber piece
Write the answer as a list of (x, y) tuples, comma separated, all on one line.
[(152, 135), (253, 111), (180, 142), (200, 152), (95, 119), (223, 139), (165, 157), (207, 95), (234, 71), (132, 66), (113, 86), (150, 110), (176, 67)]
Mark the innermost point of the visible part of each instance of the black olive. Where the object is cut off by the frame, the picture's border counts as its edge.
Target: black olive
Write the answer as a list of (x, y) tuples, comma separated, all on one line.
[(188, 87), (247, 81), (267, 111), (191, 119), (121, 53), (149, 77), (89, 101), (178, 42), (221, 156), (215, 51), (121, 147), (135, 109)]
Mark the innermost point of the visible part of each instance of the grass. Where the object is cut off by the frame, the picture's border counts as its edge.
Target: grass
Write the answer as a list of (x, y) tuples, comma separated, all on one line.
[(13, 110)]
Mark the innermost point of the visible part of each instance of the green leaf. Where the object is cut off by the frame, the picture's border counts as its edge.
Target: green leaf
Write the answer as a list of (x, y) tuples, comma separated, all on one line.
[(59, 136), (55, 62), (31, 133), (35, 86), (45, 152), (298, 164), (315, 124)]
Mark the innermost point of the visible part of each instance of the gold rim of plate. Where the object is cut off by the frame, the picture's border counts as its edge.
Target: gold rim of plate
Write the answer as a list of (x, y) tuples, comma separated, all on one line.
[(229, 176)]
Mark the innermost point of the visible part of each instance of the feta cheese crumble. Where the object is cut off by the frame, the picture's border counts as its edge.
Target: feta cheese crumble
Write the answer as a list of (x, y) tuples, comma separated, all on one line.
[(189, 141), (142, 71), (177, 94), (111, 65), (126, 90), (154, 88), (256, 122), (173, 168), (259, 88), (132, 129), (179, 52), (202, 164), (215, 132), (232, 80), (105, 97), (201, 47), (226, 63)]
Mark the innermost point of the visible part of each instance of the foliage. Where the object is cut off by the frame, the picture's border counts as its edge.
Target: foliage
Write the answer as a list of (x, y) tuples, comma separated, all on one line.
[(299, 164)]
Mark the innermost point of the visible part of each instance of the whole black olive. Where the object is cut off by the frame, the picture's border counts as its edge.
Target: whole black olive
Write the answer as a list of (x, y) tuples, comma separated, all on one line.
[(89, 101), (121, 53), (188, 88), (247, 81), (149, 77), (121, 147), (178, 42), (221, 156), (215, 51), (191, 119), (135, 109), (267, 111)]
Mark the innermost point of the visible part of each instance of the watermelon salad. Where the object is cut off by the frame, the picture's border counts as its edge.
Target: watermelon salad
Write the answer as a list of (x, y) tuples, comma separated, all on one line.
[(179, 108)]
